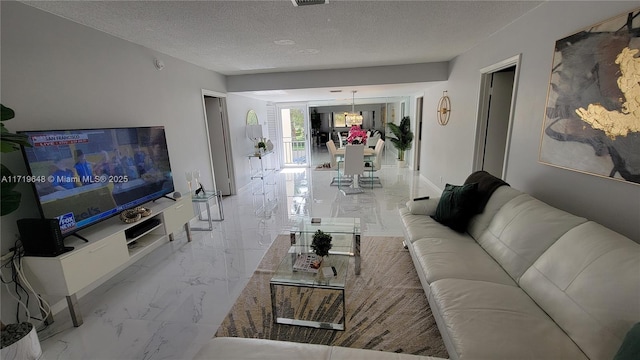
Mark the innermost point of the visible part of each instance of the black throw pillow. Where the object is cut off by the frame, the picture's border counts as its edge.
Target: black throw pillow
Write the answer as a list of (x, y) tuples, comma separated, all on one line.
[(630, 348), (456, 206)]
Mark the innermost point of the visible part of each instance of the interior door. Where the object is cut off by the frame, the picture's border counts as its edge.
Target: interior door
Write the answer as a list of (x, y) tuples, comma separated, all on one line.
[(498, 122), (217, 140), (296, 137)]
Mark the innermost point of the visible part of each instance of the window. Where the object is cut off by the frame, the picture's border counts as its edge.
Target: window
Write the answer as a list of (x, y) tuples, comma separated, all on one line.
[(338, 120)]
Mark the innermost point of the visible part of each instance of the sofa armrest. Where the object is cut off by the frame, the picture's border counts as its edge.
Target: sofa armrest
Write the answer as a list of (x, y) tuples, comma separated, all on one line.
[(423, 207)]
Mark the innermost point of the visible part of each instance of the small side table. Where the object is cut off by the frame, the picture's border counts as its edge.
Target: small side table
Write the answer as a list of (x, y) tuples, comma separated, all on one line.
[(206, 197)]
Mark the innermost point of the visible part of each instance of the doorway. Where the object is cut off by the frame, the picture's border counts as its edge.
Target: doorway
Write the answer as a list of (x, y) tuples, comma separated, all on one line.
[(217, 126), (293, 125), (418, 139), (495, 117)]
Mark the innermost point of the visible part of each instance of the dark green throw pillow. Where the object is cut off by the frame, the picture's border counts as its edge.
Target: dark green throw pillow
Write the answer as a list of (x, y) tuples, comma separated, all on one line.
[(457, 205), (630, 348)]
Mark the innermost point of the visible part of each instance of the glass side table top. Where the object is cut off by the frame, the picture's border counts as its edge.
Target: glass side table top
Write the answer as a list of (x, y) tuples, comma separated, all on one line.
[(329, 225), (204, 196)]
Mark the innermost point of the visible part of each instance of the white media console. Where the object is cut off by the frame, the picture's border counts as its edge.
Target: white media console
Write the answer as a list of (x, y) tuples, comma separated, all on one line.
[(108, 252)]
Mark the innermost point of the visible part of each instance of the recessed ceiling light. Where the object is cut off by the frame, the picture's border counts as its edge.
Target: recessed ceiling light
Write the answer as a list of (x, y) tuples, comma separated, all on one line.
[(284, 42), (308, 51)]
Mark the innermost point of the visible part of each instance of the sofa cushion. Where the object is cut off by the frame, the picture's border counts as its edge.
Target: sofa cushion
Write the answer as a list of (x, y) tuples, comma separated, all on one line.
[(229, 348), (486, 320), (522, 230), (420, 226), (423, 207), (456, 206), (459, 258), (589, 282), (480, 222)]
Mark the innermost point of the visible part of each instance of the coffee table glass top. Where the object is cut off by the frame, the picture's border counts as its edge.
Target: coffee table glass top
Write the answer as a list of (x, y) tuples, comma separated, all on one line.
[(286, 275), (330, 225), (342, 230)]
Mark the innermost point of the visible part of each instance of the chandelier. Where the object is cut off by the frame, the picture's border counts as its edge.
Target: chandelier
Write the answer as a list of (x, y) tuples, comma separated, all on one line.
[(353, 118)]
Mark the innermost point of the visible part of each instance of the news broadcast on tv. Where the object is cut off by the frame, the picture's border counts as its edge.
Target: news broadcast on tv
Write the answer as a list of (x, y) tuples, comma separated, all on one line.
[(85, 176)]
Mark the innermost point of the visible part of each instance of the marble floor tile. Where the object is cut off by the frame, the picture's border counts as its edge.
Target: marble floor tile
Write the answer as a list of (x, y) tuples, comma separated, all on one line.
[(169, 303)]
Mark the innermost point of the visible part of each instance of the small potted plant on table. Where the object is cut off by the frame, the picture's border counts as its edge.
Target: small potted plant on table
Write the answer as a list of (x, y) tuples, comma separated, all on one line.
[(321, 245)]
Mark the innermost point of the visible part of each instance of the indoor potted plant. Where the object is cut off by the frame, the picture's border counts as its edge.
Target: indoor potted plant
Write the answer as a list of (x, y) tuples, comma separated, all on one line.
[(9, 142), (19, 339), (321, 244), (262, 145), (403, 138)]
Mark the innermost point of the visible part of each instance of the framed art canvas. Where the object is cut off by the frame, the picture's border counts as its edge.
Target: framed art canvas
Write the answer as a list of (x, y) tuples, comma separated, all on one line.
[(592, 117)]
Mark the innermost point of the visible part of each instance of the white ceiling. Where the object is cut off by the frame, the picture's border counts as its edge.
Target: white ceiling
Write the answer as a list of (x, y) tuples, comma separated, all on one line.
[(248, 37)]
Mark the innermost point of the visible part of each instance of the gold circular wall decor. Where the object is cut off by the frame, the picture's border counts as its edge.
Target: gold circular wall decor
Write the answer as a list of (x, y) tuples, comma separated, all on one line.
[(444, 109)]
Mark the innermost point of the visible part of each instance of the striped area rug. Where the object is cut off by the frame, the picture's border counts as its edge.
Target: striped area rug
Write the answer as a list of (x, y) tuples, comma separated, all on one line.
[(386, 308)]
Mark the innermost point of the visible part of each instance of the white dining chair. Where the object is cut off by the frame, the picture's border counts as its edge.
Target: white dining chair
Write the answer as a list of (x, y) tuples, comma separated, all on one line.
[(336, 180), (375, 165), (331, 146), (353, 167), (341, 142)]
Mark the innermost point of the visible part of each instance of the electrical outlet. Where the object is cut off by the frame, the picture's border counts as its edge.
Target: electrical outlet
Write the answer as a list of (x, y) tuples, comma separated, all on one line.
[(440, 179)]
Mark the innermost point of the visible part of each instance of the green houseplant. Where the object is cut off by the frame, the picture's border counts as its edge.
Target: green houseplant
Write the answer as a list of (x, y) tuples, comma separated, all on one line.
[(321, 243), (9, 142), (403, 137)]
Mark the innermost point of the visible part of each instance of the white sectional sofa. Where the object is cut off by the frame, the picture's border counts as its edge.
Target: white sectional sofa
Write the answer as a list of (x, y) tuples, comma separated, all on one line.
[(526, 280), (259, 349)]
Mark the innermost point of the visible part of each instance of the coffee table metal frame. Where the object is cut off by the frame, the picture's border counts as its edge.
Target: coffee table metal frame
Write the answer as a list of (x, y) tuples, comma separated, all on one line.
[(286, 276)]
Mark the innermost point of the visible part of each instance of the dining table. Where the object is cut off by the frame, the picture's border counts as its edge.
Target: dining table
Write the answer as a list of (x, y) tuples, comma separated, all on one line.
[(368, 152)]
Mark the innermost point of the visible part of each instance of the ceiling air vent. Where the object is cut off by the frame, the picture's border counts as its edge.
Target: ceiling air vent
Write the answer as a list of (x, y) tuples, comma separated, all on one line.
[(309, 2)]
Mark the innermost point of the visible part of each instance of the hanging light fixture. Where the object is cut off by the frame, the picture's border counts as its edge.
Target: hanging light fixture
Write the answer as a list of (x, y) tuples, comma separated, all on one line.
[(353, 118)]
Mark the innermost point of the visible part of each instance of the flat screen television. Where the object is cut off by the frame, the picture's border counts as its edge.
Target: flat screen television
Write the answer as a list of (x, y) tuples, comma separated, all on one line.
[(82, 177)]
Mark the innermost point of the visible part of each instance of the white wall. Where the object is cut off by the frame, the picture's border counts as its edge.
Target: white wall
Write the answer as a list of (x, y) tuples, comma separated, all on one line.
[(57, 74), (447, 151), (237, 108)]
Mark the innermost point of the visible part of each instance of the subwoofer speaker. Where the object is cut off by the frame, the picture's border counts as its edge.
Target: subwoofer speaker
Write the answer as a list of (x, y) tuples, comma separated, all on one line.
[(41, 237)]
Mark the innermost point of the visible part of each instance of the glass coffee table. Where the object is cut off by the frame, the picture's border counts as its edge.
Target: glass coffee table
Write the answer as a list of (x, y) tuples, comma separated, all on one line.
[(345, 234), (345, 242), (318, 285)]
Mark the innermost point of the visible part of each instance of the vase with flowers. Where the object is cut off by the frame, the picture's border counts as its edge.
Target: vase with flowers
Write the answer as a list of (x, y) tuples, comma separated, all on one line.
[(357, 135)]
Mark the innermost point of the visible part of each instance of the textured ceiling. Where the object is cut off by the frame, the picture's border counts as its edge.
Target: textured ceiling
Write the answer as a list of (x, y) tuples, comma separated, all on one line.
[(244, 37)]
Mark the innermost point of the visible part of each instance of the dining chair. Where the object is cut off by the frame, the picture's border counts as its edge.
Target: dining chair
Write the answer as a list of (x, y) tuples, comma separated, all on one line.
[(375, 165), (340, 141), (331, 146), (353, 167), (337, 180)]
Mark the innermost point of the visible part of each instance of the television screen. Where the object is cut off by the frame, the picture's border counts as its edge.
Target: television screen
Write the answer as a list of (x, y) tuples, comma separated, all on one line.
[(82, 177)]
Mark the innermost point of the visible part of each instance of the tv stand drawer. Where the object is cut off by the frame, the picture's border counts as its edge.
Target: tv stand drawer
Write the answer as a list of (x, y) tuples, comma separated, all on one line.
[(72, 271)]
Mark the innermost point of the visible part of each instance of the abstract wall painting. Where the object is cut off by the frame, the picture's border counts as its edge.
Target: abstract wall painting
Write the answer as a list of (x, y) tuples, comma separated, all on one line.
[(592, 117)]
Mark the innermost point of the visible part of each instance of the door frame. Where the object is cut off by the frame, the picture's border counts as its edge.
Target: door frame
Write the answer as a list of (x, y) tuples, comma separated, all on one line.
[(307, 127), (226, 130), (418, 138), (483, 110)]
